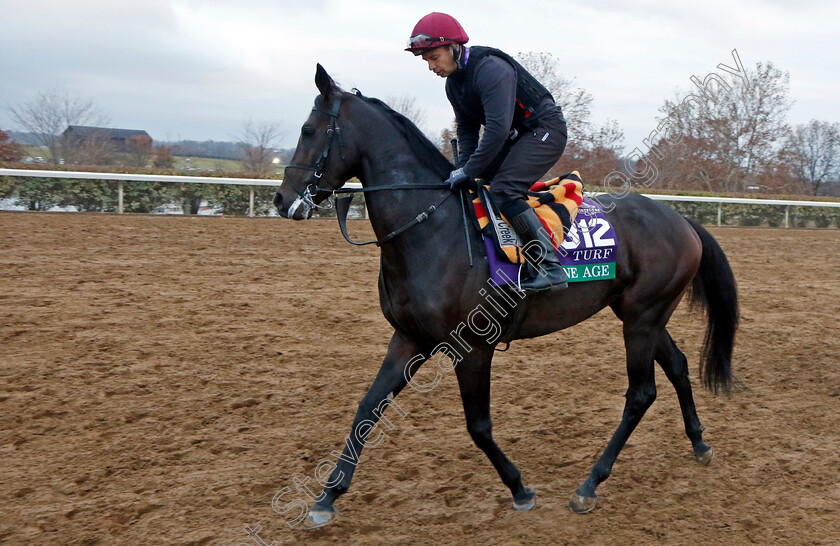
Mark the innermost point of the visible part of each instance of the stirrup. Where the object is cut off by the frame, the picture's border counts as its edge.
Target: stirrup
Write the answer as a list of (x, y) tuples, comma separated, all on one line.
[(528, 226), (554, 279)]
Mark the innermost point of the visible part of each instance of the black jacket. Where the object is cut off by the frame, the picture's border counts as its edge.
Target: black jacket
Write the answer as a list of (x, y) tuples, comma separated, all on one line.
[(494, 90)]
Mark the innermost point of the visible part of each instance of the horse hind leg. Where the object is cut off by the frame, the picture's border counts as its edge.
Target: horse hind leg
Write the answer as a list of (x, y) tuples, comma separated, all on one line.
[(675, 365), (474, 384)]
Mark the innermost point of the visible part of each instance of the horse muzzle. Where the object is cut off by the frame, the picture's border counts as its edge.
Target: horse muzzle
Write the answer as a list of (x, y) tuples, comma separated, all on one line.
[(299, 209)]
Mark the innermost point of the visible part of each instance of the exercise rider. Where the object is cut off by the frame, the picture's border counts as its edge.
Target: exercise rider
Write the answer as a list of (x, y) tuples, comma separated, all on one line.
[(524, 132)]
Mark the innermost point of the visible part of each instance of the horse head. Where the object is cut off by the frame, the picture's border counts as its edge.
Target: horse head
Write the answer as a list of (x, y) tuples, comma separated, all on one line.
[(325, 155)]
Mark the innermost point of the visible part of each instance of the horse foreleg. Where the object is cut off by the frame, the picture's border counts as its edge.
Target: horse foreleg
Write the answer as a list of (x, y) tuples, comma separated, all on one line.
[(675, 366), (390, 380), (474, 383), (640, 343)]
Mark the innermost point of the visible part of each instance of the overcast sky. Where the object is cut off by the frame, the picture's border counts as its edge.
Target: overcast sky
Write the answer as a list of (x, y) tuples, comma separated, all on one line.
[(190, 69)]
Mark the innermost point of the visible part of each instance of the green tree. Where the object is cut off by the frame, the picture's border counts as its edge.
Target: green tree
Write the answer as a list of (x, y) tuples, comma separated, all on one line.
[(88, 195), (33, 193), (146, 196), (190, 196), (235, 200)]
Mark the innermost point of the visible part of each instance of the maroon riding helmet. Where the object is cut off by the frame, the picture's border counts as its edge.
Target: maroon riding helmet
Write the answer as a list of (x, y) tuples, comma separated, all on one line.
[(435, 30)]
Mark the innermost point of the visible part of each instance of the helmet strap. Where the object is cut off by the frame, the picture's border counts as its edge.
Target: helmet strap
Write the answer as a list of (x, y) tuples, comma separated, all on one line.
[(458, 55)]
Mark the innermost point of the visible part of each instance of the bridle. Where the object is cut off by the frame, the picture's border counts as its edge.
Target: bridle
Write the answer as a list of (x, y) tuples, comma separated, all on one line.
[(318, 168), (342, 204)]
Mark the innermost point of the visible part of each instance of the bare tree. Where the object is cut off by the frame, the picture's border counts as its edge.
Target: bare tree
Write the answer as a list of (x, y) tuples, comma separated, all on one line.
[(258, 141), (595, 156), (51, 113), (447, 135), (736, 129), (139, 150), (163, 157), (608, 136), (815, 149), (407, 106), (594, 150), (575, 101), (90, 148)]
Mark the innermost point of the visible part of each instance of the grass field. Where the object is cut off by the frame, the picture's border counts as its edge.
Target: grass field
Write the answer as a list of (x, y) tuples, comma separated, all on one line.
[(205, 163)]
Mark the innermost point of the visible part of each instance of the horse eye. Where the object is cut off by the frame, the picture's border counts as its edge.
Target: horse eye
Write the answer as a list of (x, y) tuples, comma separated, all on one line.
[(308, 131)]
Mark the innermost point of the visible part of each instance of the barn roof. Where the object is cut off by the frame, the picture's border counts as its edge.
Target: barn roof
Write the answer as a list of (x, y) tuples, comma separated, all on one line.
[(84, 131)]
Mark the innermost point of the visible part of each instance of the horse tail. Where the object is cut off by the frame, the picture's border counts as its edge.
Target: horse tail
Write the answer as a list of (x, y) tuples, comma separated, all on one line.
[(714, 290)]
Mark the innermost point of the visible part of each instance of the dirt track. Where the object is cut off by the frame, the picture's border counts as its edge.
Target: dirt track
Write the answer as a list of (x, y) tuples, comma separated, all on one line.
[(161, 378)]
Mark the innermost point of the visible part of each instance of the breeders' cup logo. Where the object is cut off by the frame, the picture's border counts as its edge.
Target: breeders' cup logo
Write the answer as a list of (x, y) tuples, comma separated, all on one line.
[(588, 210)]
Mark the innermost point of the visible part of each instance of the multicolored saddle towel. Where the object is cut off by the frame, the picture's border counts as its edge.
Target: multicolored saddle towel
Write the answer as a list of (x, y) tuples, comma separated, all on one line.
[(586, 242), (556, 203)]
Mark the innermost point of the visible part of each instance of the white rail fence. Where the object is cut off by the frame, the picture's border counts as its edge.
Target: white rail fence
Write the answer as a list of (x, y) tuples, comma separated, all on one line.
[(121, 178)]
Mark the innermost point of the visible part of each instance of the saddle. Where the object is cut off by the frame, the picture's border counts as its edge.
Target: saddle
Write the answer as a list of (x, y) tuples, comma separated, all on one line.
[(585, 240), (556, 203)]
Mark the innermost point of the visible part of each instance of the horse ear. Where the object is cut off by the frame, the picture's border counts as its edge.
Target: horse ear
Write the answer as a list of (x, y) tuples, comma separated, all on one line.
[(324, 82)]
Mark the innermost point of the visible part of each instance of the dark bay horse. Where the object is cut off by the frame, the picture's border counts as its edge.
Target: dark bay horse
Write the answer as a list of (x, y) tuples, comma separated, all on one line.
[(439, 304)]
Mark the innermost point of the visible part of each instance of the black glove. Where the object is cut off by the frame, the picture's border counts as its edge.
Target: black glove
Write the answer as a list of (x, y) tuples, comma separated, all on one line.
[(457, 179)]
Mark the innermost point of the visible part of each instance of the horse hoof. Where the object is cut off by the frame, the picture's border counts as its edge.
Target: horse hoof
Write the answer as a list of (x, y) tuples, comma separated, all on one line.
[(580, 504), (706, 457), (318, 518), (526, 502)]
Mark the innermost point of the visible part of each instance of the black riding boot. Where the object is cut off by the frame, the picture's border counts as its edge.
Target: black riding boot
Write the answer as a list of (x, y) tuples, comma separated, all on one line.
[(545, 275)]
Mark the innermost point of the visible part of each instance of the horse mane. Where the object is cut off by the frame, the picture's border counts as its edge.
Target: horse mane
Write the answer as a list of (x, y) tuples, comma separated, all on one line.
[(423, 149)]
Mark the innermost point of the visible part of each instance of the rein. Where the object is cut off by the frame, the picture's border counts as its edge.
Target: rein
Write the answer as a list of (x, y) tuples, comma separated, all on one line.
[(342, 205)]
